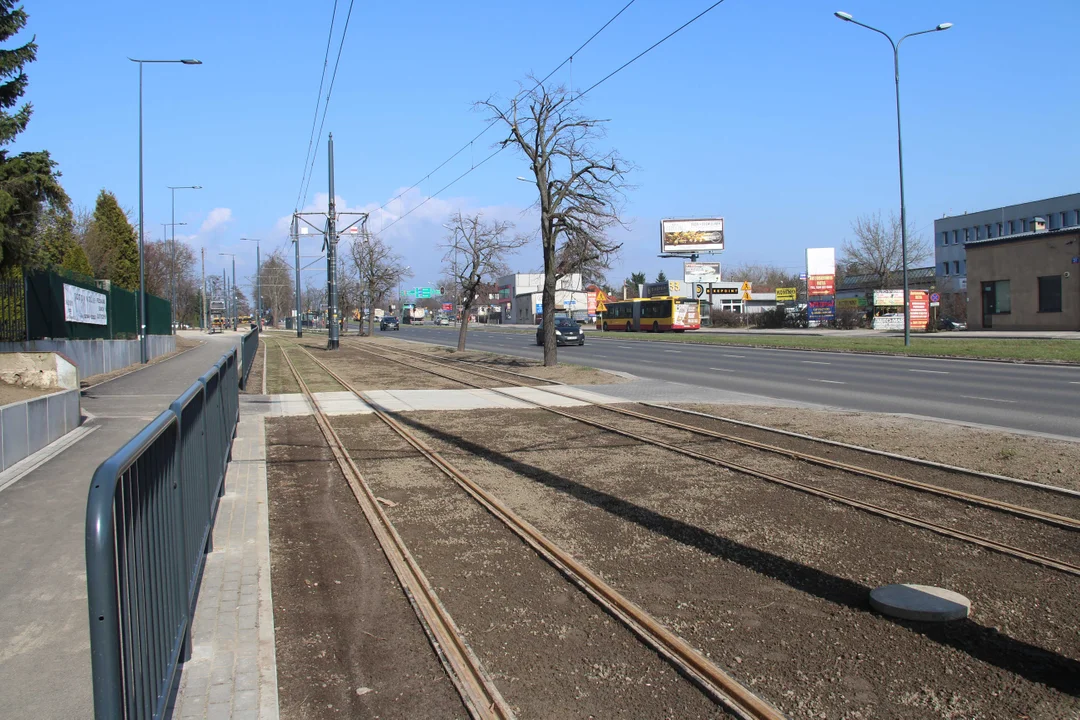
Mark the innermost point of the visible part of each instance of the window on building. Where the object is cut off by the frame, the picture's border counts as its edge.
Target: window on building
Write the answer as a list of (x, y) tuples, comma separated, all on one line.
[(988, 231), (1025, 225), (956, 267), (1000, 228), (945, 267), (1011, 227), (967, 235), (1050, 294), (997, 298), (945, 238)]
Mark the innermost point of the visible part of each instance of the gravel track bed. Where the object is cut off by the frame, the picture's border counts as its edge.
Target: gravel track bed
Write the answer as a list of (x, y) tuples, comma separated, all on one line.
[(1044, 500), (279, 379), (551, 651), (1024, 533), (771, 583)]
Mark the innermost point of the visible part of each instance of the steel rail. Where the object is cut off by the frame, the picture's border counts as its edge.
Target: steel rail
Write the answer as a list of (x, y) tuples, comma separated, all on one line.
[(707, 675), (479, 694), (980, 541), (1063, 521)]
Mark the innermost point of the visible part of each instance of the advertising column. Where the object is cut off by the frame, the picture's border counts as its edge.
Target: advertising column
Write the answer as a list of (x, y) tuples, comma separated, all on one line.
[(820, 285)]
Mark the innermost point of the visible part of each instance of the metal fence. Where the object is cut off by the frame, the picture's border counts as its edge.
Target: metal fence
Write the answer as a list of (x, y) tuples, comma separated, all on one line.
[(149, 520), (46, 317), (12, 310), (248, 347)]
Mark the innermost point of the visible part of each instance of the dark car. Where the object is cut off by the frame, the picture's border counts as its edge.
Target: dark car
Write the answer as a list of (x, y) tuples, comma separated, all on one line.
[(389, 322), (567, 332), (948, 323)]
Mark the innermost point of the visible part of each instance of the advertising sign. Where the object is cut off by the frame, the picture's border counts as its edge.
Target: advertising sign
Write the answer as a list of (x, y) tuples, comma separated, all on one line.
[(821, 310), (891, 321), (692, 235), (448, 306), (84, 306), (701, 272), (920, 309), (735, 290), (786, 294), (592, 302), (854, 303), (539, 308), (889, 298), (818, 285), (820, 261)]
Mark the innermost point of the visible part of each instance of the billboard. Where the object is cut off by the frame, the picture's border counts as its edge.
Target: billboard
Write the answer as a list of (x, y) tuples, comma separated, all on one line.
[(84, 306), (701, 272), (889, 298), (821, 310), (786, 294), (692, 235), (820, 285), (920, 309), (820, 261)]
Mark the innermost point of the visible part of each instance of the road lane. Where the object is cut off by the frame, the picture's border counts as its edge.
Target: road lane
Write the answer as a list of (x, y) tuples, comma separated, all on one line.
[(1010, 395)]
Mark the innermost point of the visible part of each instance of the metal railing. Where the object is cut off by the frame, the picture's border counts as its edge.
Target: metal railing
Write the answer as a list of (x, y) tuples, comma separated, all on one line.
[(248, 347), (149, 520)]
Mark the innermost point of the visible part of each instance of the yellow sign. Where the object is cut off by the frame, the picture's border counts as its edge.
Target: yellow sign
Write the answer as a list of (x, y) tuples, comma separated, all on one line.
[(746, 287), (746, 296), (786, 294), (601, 297), (600, 306)]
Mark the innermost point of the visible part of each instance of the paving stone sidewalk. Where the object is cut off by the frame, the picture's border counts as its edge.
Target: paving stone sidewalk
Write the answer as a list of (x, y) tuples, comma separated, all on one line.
[(232, 672)]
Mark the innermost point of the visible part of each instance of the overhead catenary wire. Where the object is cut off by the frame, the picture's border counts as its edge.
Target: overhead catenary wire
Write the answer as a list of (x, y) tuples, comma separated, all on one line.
[(318, 103), (572, 100), (326, 105)]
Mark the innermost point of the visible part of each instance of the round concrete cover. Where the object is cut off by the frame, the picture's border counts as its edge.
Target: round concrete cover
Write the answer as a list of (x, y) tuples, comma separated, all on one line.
[(920, 602)]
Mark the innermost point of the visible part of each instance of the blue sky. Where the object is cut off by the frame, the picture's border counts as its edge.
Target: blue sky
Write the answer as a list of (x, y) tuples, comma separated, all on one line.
[(774, 115)]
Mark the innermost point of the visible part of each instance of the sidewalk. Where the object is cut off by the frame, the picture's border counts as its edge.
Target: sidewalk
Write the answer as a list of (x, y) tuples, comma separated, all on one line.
[(232, 672), (44, 628)]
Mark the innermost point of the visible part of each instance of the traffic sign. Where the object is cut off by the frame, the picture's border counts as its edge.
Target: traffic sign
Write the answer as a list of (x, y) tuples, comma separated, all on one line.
[(746, 296), (601, 296), (600, 307), (935, 297), (746, 286)]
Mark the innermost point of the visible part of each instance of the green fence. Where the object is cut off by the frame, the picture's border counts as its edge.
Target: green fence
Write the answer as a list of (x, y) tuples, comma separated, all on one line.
[(46, 318)]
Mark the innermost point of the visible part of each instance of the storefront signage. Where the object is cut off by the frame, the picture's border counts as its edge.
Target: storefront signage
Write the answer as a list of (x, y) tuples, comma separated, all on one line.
[(889, 298), (786, 294), (850, 303), (821, 310), (85, 306), (818, 285)]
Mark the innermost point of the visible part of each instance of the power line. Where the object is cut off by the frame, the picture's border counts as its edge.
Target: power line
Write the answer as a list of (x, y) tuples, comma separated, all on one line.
[(492, 124), (318, 101), (326, 105), (572, 100)]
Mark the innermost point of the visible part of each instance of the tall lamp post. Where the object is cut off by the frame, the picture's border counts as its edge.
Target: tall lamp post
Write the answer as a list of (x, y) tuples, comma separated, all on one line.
[(172, 251), (846, 17), (258, 281), (235, 312), (143, 353)]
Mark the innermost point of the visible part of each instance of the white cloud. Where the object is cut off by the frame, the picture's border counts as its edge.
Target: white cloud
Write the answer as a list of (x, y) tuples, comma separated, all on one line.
[(217, 218)]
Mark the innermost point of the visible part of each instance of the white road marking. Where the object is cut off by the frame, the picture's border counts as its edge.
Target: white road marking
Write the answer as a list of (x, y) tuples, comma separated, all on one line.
[(814, 362), (730, 355), (674, 351), (831, 382), (975, 397), (651, 362), (723, 369), (932, 372), (626, 347), (1071, 382)]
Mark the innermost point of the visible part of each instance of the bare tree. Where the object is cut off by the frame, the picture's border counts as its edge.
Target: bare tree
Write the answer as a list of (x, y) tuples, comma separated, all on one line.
[(475, 249), (277, 285), (764, 277), (579, 187), (378, 269), (877, 249)]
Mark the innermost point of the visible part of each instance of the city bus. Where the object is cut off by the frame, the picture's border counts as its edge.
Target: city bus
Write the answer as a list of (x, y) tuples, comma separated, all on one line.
[(656, 314)]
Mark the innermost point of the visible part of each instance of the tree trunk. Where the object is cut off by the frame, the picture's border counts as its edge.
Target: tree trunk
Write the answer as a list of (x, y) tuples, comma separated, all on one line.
[(464, 328), (551, 357)]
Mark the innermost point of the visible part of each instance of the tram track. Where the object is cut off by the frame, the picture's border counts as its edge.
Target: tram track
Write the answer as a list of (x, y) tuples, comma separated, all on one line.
[(1059, 521), (479, 693)]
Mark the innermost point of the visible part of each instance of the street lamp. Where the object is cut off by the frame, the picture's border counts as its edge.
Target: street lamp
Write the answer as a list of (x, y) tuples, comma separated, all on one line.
[(258, 281), (144, 355), (234, 313), (846, 17), (172, 267)]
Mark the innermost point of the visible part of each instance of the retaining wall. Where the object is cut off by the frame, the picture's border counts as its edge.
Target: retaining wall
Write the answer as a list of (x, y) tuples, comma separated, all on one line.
[(29, 425), (94, 357)]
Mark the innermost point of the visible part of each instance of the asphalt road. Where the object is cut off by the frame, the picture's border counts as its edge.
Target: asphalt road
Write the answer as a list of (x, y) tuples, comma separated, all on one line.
[(1034, 398)]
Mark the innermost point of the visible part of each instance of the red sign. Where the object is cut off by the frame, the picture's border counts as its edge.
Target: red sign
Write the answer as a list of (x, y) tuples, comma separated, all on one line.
[(592, 302), (448, 306), (821, 285), (920, 308)]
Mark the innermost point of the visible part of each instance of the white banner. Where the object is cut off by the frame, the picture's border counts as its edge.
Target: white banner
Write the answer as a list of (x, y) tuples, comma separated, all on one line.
[(84, 306), (701, 272)]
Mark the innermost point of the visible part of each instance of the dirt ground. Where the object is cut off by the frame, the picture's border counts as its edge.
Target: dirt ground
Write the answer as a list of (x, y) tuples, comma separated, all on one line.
[(348, 643), (1021, 456), (15, 393), (255, 377), (771, 583)]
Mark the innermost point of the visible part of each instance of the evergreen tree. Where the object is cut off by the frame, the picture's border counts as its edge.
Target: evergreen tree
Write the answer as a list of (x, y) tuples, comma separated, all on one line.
[(29, 180), (661, 277), (55, 244), (111, 243)]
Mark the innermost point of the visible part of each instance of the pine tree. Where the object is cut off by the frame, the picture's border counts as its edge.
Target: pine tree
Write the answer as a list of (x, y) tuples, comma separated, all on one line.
[(111, 243), (55, 244), (29, 180)]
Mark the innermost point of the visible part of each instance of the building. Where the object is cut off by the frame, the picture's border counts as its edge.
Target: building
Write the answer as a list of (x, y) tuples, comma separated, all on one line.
[(951, 234), (521, 297), (863, 286), (1025, 281)]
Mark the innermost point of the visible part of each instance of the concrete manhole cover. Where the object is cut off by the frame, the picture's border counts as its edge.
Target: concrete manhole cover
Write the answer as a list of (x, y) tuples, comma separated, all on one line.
[(920, 602)]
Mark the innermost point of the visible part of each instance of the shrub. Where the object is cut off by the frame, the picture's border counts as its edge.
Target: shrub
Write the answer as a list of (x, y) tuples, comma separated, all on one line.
[(728, 318), (771, 319)]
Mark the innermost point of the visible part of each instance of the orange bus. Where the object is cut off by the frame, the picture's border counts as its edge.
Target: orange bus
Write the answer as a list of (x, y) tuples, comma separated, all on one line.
[(655, 314)]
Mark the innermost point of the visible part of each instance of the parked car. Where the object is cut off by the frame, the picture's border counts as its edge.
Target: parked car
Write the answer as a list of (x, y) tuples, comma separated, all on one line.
[(442, 320), (567, 332), (389, 322), (948, 323)]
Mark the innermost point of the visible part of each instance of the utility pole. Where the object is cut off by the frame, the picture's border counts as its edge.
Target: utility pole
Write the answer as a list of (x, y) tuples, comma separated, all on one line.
[(296, 267), (235, 308), (331, 257), (202, 295)]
